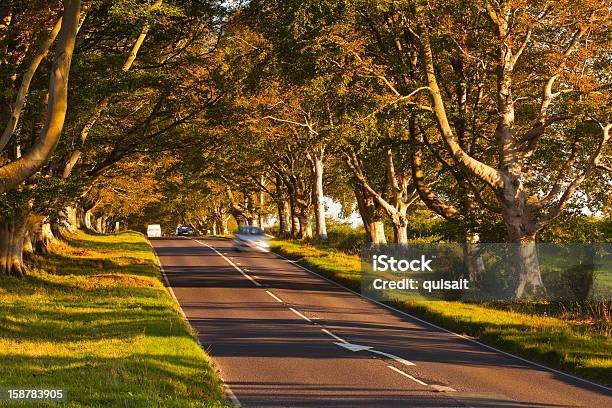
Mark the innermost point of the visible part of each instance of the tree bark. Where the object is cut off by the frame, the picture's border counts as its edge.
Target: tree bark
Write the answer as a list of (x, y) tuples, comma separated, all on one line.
[(319, 204), (28, 248), (371, 217), (224, 228), (284, 218), (43, 237), (528, 267), (15, 172), (471, 257), (24, 88), (85, 219), (305, 219), (13, 229), (400, 229)]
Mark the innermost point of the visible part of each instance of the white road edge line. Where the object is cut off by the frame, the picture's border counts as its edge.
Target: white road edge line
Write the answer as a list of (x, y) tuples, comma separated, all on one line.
[(229, 262), (416, 380), (274, 296), (299, 314), (533, 363), (228, 391), (334, 336)]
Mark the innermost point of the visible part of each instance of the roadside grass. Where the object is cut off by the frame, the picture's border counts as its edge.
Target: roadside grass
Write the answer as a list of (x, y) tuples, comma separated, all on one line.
[(93, 317), (566, 344)]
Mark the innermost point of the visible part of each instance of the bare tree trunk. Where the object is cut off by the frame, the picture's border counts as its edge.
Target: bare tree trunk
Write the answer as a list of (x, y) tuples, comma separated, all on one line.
[(371, 217), (528, 268), (101, 224), (295, 221), (24, 88), (85, 219), (43, 237), (400, 229), (224, 226), (377, 232), (305, 219), (521, 230), (13, 229), (284, 219), (320, 224), (15, 172), (28, 248), (471, 257)]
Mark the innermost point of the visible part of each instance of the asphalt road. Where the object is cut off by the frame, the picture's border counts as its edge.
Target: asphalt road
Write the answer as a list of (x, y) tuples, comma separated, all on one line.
[(283, 337)]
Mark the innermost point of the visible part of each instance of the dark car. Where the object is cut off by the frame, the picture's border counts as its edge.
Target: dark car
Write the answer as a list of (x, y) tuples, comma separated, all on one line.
[(184, 230)]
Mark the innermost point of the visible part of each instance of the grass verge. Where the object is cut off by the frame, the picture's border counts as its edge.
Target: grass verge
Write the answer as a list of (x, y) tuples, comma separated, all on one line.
[(552, 340), (93, 317)]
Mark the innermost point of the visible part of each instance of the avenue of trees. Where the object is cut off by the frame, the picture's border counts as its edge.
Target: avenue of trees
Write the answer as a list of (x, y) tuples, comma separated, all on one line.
[(492, 115)]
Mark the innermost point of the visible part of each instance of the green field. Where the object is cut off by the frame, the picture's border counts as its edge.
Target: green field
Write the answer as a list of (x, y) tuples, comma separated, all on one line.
[(93, 317), (540, 332)]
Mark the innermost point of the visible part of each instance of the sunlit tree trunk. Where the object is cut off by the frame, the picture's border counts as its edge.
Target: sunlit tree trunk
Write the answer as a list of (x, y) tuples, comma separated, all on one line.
[(13, 230), (284, 218), (400, 230), (371, 217), (319, 204), (224, 227), (305, 220), (43, 237), (15, 172)]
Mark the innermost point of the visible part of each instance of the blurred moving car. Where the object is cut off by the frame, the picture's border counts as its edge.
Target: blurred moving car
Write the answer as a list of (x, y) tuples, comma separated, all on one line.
[(250, 238), (154, 231), (183, 230)]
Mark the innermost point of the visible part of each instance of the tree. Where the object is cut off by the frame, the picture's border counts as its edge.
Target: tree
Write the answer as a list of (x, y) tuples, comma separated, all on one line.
[(12, 226)]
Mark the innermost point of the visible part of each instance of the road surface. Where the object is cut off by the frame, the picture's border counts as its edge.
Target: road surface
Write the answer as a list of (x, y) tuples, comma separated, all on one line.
[(284, 337)]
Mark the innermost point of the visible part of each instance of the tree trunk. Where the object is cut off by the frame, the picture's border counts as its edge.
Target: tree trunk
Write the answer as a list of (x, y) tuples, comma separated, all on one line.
[(284, 219), (471, 257), (224, 228), (377, 232), (521, 230), (43, 237), (528, 268), (101, 224), (214, 227), (15, 172), (400, 229), (85, 219), (13, 230), (28, 248), (320, 224), (295, 221), (71, 218), (371, 217), (305, 220)]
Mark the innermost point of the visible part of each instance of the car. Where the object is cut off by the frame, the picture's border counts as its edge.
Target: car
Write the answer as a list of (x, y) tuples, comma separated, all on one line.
[(154, 231), (250, 238), (183, 230)]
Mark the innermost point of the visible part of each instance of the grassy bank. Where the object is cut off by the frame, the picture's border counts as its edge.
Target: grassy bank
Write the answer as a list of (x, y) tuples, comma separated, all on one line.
[(94, 317), (573, 345)]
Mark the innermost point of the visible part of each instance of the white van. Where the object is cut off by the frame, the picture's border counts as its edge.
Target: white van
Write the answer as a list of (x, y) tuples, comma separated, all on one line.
[(154, 231)]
